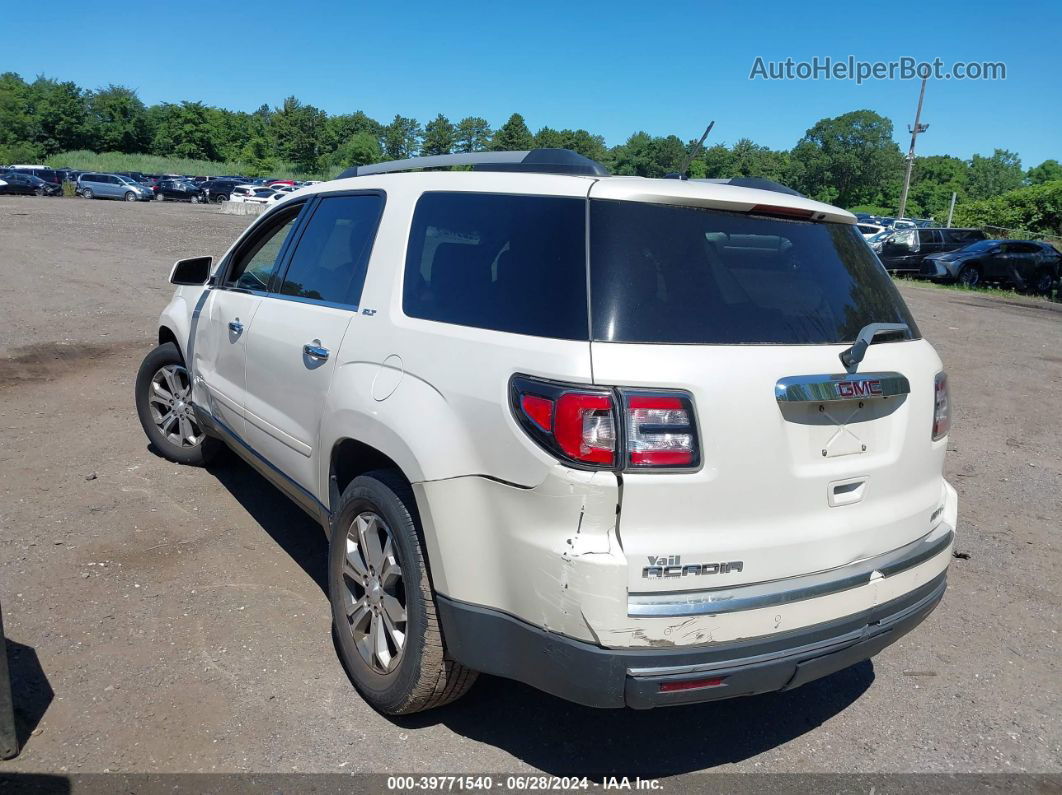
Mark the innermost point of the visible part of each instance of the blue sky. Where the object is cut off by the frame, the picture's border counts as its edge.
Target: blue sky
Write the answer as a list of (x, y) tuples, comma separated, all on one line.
[(612, 68)]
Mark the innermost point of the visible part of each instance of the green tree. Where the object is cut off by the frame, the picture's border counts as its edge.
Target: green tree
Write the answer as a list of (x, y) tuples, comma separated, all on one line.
[(362, 148), (581, 141), (513, 136), (185, 130), (473, 134), (117, 120), (59, 115), (1047, 171), (645, 156), (440, 136), (299, 133), (1036, 209), (16, 126), (933, 180), (850, 159), (991, 176), (401, 138), (343, 127)]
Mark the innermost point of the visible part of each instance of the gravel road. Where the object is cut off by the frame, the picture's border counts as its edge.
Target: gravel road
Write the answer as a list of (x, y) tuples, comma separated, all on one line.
[(173, 619)]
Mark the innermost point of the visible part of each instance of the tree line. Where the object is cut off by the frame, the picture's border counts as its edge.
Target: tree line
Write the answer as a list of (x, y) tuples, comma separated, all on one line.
[(850, 160)]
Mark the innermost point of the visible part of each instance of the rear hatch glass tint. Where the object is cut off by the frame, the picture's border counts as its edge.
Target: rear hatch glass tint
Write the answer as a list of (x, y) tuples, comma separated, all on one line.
[(669, 274)]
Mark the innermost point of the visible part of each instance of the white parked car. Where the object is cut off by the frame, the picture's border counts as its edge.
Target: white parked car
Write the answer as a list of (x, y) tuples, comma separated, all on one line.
[(252, 194), (631, 441), (869, 230)]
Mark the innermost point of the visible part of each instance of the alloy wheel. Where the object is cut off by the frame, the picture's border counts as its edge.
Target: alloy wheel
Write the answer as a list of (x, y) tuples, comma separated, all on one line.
[(169, 399), (374, 598)]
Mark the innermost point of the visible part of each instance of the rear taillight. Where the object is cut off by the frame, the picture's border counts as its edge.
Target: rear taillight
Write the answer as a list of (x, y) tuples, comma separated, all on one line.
[(941, 407), (660, 430), (579, 424)]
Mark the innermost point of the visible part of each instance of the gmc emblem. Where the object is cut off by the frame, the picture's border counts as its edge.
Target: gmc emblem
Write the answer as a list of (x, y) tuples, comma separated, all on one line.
[(859, 389)]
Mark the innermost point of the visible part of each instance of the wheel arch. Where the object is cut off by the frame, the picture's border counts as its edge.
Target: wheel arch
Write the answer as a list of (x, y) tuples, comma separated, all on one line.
[(166, 334)]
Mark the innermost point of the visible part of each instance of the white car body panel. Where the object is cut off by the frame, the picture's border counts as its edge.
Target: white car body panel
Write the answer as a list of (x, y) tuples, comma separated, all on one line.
[(507, 526)]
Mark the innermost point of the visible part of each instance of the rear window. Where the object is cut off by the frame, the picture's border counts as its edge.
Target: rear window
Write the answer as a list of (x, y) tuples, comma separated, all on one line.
[(962, 236), (497, 261), (666, 274)]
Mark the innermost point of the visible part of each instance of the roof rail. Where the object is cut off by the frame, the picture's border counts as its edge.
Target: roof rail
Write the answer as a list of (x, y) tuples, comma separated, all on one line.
[(538, 161), (754, 182)]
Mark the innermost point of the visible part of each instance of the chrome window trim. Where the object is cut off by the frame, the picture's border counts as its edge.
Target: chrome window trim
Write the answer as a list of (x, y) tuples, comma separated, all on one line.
[(734, 599), (823, 388)]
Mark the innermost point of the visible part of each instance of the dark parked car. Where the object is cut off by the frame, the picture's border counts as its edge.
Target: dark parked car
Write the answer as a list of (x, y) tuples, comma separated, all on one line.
[(47, 174), (1025, 264), (905, 249), (219, 190), (178, 190), (18, 184)]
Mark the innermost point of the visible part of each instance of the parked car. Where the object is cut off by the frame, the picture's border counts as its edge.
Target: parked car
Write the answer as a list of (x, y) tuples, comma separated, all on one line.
[(93, 185), (275, 183), (623, 439), (252, 194), (219, 190), (1024, 264), (905, 249), (14, 183), (179, 190), (868, 230), (49, 175)]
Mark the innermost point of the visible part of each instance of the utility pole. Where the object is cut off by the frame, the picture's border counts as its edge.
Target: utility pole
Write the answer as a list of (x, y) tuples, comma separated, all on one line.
[(918, 128), (951, 209)]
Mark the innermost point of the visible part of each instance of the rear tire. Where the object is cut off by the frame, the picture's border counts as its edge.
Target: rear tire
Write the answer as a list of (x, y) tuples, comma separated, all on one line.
[(969, 276), (163, 404), (383, 607), (1043, 282), (86, 193), (221, 198)]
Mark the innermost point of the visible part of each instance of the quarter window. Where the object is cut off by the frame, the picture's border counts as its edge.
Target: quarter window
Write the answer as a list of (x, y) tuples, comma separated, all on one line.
[(332, 255), (496, 261)]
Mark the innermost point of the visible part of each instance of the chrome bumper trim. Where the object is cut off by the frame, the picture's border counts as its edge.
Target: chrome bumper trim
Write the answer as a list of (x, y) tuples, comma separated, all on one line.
[(821, 647), (792, 589)]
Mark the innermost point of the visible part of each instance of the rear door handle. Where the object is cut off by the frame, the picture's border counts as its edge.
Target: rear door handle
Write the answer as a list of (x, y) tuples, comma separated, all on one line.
[(235, 326), (315, 352)]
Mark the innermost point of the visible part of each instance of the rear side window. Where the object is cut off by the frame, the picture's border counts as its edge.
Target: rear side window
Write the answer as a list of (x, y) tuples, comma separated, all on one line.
[(332, 255), (502, 262), (962, 237), (666, 274)]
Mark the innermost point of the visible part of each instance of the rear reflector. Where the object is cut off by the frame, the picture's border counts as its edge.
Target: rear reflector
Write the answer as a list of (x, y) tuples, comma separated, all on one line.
[(941, 407), (692, 684), (539, 410)]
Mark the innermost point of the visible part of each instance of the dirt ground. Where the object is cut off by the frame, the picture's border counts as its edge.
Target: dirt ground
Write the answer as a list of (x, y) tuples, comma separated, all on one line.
[(163, 618)]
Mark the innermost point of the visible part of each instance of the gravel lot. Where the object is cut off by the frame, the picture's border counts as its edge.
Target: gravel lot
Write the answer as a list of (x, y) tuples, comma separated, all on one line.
[(172, 619)]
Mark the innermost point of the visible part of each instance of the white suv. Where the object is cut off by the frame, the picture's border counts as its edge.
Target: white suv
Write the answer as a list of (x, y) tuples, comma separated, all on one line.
[(623, 439)]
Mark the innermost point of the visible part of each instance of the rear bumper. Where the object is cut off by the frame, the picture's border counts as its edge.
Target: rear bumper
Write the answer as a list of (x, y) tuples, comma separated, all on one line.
[(496, 643)]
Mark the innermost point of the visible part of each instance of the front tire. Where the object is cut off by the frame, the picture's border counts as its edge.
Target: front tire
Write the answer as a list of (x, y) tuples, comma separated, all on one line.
[(383, 607), (163, 404), (969, 276)]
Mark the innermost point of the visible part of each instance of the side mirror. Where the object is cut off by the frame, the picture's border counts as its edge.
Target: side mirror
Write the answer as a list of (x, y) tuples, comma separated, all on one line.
[(192, 271)]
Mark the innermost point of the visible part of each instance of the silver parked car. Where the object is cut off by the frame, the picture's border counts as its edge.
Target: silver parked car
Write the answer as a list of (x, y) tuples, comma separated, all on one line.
[(92, 185)]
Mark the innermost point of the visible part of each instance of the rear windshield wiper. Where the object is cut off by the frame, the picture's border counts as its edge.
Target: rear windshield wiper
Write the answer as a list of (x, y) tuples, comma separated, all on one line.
[(851, 357)]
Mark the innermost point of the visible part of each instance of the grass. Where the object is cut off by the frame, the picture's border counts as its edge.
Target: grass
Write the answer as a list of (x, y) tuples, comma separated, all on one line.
[(996, 292), (84, 160)]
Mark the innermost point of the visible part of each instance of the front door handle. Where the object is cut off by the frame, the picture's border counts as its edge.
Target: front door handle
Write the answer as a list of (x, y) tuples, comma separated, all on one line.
[(235, 326), (315, 352)]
